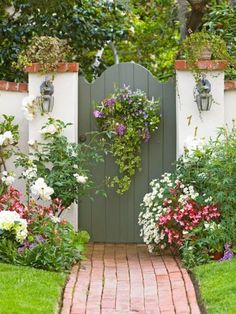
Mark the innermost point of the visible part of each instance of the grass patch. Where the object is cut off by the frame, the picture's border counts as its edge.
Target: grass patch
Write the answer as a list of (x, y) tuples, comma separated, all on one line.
[(217, 286), (28, 290)]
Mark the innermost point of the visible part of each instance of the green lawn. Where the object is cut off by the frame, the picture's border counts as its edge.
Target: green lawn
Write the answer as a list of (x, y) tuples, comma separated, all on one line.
[(25, 290), (217, 283)]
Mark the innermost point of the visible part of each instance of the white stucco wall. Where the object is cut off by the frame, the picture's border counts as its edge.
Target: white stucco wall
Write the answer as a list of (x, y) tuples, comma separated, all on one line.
[(10, 104), (230, 107), (65, 108), (189, 120)]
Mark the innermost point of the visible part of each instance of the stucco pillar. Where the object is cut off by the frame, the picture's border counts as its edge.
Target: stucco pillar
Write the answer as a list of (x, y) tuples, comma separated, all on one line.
[(230, 103), (190, 122), (65, 108)]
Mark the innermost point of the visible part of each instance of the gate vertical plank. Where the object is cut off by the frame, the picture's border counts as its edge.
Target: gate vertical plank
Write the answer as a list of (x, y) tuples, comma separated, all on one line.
[(169, 124), (99, 205), (84, 112), (141, 178), (127, 213), (156, 145), (111, 77)]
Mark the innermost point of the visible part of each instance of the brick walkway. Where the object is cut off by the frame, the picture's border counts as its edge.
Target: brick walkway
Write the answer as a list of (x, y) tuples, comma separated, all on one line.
[(126, 279)]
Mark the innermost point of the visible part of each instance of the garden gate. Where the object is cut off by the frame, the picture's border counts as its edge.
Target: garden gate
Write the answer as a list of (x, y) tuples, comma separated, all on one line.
[(115, 218)]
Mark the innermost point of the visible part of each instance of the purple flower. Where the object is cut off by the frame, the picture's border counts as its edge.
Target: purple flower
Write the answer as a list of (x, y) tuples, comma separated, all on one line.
[(21, 249), (110, 102), (124, 85), (147, 135), (32, 246), (120, 129), (97, 114), (228, 253), (39, 238)]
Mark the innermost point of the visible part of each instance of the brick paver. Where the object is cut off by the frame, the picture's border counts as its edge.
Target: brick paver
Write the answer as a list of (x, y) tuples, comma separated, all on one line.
[(124, 278)]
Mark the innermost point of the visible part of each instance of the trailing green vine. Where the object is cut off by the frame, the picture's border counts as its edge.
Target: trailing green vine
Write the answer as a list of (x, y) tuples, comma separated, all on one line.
[(128, 118)]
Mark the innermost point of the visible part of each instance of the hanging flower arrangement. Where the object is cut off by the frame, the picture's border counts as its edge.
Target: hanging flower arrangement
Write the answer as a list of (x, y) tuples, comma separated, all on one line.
[(128, 118)]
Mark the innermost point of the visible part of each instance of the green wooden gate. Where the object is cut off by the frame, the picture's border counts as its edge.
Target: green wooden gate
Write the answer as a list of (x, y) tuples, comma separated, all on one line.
[(114, 219)]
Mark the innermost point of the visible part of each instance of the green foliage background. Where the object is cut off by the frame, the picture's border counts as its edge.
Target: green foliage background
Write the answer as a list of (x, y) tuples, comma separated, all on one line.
[(146, 32)]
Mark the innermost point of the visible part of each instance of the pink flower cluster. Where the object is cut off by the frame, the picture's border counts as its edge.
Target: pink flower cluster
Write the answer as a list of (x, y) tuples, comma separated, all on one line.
[(11, 201), (181, 218)]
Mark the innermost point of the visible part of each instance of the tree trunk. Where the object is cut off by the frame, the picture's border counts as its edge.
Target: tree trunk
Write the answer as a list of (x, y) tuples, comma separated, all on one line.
[(182, 13), (199, 8)]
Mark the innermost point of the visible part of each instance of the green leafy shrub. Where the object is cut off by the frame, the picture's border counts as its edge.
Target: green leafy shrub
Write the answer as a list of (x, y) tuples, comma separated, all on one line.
[(213, 172), (64, 166)]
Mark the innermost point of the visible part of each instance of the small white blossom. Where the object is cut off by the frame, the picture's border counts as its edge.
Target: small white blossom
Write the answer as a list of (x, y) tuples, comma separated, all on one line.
[(80, 179), (30, 107), (49, 129), (6, 138), (192, 143), (31, 142), (30, 173), (55, 219), (8, 178)]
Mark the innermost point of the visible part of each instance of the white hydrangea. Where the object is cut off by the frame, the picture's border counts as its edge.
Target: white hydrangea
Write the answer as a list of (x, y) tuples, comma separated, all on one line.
[(30, 107), (80, 179), (6, 138), (11, 221), (8, 178), (42, 190)]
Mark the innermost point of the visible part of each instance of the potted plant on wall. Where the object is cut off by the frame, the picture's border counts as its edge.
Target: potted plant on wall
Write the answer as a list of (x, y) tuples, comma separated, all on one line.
[(203, 46), (47, 51)]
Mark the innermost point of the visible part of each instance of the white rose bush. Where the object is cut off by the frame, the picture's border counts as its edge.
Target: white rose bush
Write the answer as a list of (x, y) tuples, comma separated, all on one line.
[(56, 174)]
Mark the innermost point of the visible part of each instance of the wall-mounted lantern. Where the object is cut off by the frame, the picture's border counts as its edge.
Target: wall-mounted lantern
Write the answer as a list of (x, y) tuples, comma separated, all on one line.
[(47, 99), (202, 95)]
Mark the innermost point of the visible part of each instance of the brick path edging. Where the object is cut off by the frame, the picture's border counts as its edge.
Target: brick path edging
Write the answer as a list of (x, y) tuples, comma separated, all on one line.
[(125, 278)]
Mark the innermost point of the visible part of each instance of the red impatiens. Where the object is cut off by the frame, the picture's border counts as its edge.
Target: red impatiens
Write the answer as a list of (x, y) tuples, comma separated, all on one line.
[(184, 217)]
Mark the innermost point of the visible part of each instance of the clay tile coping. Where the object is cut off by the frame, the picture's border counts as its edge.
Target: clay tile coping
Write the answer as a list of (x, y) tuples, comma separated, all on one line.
[(62, 67), (230, 85), (13, 87), (211, 65)]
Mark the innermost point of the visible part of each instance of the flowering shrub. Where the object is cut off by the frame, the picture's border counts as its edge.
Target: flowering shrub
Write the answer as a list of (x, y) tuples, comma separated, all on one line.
[(9, 136), (34, 236), (57, 168), (52, 244), (212, 170), (128, 118), (174, 214), (171, 211)]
